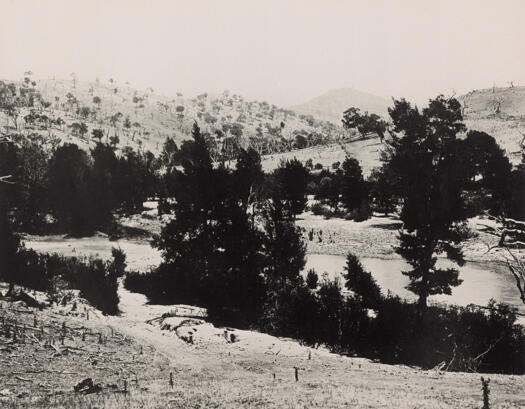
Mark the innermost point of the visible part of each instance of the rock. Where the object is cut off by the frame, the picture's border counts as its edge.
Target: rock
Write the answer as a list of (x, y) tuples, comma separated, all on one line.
[(87, 386)]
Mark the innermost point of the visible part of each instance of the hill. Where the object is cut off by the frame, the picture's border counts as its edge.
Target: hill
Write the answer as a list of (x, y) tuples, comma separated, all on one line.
[(331, 105), (143, 118), (500, 112)]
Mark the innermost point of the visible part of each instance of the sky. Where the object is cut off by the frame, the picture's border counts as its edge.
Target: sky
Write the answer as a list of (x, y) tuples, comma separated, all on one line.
[(283, 51)]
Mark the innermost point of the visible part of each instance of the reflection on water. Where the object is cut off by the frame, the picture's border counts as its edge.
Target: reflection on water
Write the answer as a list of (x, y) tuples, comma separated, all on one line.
[(481, 281)]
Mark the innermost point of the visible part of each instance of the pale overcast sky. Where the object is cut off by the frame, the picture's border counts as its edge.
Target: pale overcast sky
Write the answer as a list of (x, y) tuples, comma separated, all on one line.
[(281, 51)]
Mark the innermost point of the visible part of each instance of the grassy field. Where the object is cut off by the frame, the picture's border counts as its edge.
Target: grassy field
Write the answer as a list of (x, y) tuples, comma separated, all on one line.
[(142, 365)]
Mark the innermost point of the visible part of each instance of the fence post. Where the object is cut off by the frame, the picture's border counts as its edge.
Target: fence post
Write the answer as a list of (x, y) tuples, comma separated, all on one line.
[(486, 392)]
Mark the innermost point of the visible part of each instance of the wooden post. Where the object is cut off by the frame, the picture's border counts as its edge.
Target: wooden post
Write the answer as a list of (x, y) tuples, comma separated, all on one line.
[(309, 354), (125, 385), (34, 321), (486, 392), (100, 338), (296, 374), (171, 380)]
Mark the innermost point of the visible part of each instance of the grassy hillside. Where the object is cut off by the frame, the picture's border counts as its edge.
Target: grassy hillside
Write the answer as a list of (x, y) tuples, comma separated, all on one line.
[(331, 105), (144, 118), (501, 113), (140, 360)]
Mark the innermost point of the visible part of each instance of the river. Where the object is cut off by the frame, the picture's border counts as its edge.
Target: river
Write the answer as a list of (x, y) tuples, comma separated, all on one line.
[(481, 281)]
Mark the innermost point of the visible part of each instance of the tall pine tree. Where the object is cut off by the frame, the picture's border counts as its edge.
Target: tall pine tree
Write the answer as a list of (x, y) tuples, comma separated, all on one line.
[(427, 163)]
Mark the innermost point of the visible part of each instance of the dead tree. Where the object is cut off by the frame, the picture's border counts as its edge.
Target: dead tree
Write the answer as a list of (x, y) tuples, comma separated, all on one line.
[(511, 235)]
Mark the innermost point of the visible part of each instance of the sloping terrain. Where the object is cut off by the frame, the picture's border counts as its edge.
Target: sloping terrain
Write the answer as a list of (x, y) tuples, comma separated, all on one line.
[(500, 112), (136, 362), (331, 105), (143, 118)]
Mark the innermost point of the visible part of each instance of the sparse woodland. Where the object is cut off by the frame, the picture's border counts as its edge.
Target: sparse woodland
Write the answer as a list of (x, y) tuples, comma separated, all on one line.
[(73, 163)]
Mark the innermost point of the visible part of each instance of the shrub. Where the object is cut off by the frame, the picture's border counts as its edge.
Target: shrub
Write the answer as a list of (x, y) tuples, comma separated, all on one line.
[(321, 210), (138, 282), (96, 279), (312, 279), (362, 213)]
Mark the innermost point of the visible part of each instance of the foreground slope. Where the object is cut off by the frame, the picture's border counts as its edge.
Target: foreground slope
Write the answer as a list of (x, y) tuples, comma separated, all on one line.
[(132, 361)]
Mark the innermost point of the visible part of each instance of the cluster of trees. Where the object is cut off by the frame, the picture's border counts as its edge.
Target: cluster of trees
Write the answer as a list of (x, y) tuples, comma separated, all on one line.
[(79, 189), (231, 235), (343, 189), (366, 124)]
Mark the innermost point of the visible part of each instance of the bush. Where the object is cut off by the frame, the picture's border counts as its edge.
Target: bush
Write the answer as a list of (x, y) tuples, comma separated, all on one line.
[(362, 213), (321, 210), (464, 338), (94, 278), (138, 282)]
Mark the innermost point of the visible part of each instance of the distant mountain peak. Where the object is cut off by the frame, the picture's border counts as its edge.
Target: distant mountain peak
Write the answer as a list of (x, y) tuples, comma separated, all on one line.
[(331, 105)]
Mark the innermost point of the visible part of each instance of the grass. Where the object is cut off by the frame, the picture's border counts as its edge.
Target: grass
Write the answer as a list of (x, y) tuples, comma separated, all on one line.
[(134, 371)]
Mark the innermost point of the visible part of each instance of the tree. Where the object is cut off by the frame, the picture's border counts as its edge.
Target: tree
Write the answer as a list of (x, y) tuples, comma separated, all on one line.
[(102, 187), (97, 134), (364, 123), (312, 279), (382, 189), (285, 258), (9, 240), (248, 180), (426, 162), (487, 170), (32, 177), (361, 282), (69, 198), (212, 253), (169, 156), (353, 187), (291, 179)]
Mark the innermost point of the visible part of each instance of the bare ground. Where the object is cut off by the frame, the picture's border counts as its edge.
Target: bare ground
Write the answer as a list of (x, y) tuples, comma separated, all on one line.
[(134, 360)]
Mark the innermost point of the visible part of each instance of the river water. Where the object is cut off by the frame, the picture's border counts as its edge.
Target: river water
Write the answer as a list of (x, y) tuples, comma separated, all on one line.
[(481, 281)]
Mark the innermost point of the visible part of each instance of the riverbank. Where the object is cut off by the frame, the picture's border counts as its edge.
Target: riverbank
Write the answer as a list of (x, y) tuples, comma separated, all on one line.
[(377, 237)]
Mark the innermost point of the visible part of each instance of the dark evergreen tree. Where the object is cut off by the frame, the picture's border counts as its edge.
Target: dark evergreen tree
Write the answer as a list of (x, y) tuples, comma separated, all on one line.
[(430, 183), (312, 279), (102, 184), (383, 194), (212, 251), (487, 169), (291, 179), (361, 282), (69, 173), (353, 186)]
